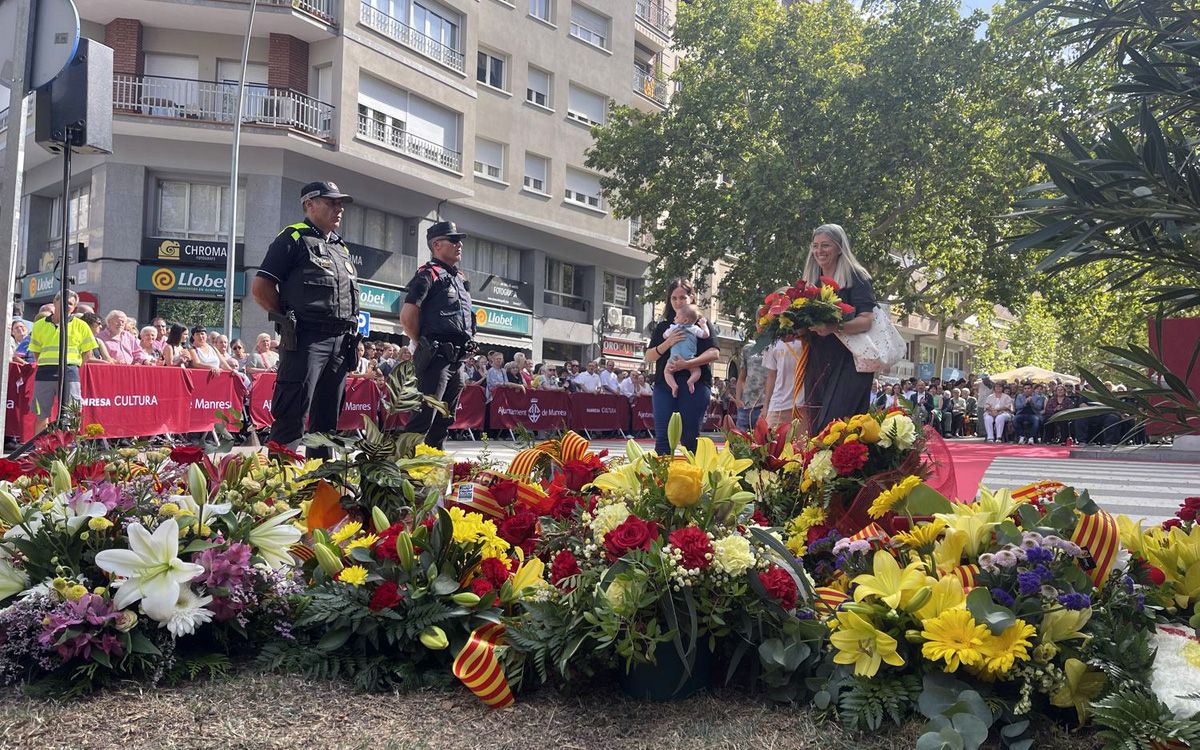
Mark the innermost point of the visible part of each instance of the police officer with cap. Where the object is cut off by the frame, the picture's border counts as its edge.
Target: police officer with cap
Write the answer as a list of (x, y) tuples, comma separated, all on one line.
[(439, 321), (309, 288)]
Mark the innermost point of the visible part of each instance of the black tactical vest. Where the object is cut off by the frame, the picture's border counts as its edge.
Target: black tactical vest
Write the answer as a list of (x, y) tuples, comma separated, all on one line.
[(323, 285), (446, 312)]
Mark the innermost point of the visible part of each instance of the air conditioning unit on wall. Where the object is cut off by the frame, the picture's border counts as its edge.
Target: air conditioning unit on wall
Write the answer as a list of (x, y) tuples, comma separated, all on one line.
[(613, 316)]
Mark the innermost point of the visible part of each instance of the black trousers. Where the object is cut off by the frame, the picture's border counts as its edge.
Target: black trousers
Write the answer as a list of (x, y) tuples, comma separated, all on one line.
[(311, 383), (441, 379)]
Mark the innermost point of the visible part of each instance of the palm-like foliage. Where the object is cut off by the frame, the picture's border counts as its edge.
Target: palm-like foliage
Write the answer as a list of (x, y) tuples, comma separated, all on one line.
[(1132, 200)]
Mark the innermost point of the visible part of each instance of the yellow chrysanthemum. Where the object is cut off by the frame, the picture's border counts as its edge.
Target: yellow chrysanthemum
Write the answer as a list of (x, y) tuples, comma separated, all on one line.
[(891, 497), (922, 537), (473, 528), (346, 532), (355, 575), (363, 541), (1000, 652), (955, 637)]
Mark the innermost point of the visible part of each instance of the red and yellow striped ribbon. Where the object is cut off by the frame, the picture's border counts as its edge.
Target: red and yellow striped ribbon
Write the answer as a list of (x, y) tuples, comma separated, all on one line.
[(302, 552), (966, 574), (570, 447), (1045, 487), (828, 599), (871, 531), (479, 669), (1099, 534), (482, 500)]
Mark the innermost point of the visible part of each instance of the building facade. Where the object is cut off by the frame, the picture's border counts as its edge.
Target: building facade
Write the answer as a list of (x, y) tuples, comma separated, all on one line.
[(474, 111)]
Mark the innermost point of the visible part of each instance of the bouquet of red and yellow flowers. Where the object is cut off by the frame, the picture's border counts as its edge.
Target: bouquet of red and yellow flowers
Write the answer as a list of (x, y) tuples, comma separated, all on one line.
[(791, 312)]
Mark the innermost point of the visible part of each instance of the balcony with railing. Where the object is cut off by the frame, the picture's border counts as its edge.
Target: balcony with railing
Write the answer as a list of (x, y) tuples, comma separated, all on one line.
[(650, 87), (415, 40), (323, 10), (216, 102), (392, 136), (654, 15)]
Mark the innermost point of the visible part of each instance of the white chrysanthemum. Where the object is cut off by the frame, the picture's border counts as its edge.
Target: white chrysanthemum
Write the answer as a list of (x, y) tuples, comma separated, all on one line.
[(189, 613), (608, 518), (897, 430), (732, 555), (820, 468), (1176, 669)]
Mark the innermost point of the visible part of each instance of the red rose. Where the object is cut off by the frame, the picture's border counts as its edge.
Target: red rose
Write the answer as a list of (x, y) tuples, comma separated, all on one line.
[(1187, 513), (578, 473), (504, 491), (849, 457), (385, 548), (780, 586), (276, 450), (1157, 577), (695, 545), (1191, 502), (187, 454), (516, 529), (759, 518), (1171, 523), (481, 587), (92, 472), (811, 293), (10, 471), (385, 597), (820, 531), (633, 533), (495, 571), (564, 566), (793, 293)]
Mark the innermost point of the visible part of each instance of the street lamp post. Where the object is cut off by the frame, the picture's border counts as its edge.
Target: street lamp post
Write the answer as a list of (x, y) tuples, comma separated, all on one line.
[(230, 265)]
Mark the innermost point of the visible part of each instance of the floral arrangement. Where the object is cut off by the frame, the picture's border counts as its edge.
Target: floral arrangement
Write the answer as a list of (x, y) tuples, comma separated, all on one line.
[(663, 566), (129, 564), (791, 312), (1172, 553)]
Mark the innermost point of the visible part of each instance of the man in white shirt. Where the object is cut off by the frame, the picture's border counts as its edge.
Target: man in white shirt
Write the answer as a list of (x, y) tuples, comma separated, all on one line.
[(589, 380), (626, 387), (609, 383)]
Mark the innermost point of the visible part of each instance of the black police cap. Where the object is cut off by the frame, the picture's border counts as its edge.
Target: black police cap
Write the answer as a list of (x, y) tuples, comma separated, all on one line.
[(445, 229), (323, 190)]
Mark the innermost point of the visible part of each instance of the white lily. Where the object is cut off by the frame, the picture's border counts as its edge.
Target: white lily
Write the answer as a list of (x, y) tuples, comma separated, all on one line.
[(151, 570), (209, 511), (12, 581), (74, 512), (273, 539)]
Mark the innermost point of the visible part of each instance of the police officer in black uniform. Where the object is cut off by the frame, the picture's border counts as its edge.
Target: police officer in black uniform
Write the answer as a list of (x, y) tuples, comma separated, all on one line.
[(438, 319), (309, 288)]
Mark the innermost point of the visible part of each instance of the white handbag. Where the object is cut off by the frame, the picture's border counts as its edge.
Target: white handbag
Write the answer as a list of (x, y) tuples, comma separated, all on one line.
[(877, 349)]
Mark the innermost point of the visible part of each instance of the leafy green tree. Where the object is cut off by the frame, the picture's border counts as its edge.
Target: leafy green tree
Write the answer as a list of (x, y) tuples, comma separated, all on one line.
[(1035, 336)]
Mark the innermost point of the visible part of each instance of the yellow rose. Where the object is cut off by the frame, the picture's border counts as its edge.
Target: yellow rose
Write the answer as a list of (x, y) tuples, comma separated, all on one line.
[(684, 484), (869, 432)]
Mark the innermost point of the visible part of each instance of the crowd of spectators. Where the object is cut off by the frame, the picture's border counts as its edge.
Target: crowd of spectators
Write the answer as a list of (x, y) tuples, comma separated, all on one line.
[(490, 371)]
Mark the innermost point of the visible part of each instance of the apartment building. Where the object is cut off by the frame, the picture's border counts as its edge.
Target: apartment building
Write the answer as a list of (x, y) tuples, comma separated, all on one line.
[(475, 111)]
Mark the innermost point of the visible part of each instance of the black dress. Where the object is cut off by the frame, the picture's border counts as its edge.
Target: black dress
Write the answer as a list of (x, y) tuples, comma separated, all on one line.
[(833, 388)]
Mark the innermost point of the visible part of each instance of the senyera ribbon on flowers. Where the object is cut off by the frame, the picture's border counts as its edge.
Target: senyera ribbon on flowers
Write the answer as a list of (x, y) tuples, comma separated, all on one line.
[(479, 668)]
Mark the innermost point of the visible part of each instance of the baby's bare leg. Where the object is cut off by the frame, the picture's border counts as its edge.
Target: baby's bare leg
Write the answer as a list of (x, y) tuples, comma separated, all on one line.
[(693, 378)]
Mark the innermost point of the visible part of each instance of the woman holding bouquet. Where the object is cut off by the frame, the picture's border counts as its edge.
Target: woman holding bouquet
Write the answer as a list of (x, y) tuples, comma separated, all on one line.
[(834, 389), (690, 403)]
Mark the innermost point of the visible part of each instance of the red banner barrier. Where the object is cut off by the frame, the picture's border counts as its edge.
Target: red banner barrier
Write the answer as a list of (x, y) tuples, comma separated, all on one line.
[(643, 414), (472, 406), (599, 411), (362, 398), (533, 410), (212, 392), (19, 420), (1180, 336), (262, 388), (713, 417)]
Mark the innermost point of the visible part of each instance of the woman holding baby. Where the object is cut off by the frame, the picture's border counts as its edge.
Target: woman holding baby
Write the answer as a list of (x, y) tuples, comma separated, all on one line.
[(682, 349)]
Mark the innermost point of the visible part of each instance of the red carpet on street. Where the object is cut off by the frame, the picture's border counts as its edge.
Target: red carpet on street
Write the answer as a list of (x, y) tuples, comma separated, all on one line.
[(972, 459)]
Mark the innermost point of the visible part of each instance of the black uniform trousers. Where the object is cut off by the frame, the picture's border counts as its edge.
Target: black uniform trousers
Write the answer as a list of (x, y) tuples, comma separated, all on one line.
[(441, 379), (311, 383)]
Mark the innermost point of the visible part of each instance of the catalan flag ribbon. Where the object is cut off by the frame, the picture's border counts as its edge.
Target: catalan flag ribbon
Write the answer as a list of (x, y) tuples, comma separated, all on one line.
[(871, 531), (570, 447), (1044, 489), (479, 668), (1099, 534), (828, 599), (966, 575)]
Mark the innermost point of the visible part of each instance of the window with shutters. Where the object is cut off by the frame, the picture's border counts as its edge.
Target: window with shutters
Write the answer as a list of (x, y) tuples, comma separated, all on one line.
[(489, 159), (589, 26), (537, 92), (537, 173), (586, 106), (583, 189), (543, 10)]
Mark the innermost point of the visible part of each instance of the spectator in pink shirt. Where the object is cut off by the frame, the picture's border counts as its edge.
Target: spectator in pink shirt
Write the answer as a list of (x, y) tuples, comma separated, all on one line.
[(121, 344)]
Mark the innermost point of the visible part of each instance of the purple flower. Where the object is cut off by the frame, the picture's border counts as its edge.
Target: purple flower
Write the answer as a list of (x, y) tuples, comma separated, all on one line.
[(107, 493), (229, 570), (1075, 601), (1005, 558), (91, 610), (1044, 574), (1028, 583), (1039, 555), (1002, 597)]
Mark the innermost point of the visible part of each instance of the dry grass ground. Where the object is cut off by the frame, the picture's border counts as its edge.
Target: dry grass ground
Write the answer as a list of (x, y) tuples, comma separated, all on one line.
[(251, 711)]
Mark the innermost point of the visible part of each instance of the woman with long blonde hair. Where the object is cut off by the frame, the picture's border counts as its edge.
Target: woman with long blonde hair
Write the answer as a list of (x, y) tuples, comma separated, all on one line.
[(834, 388)]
